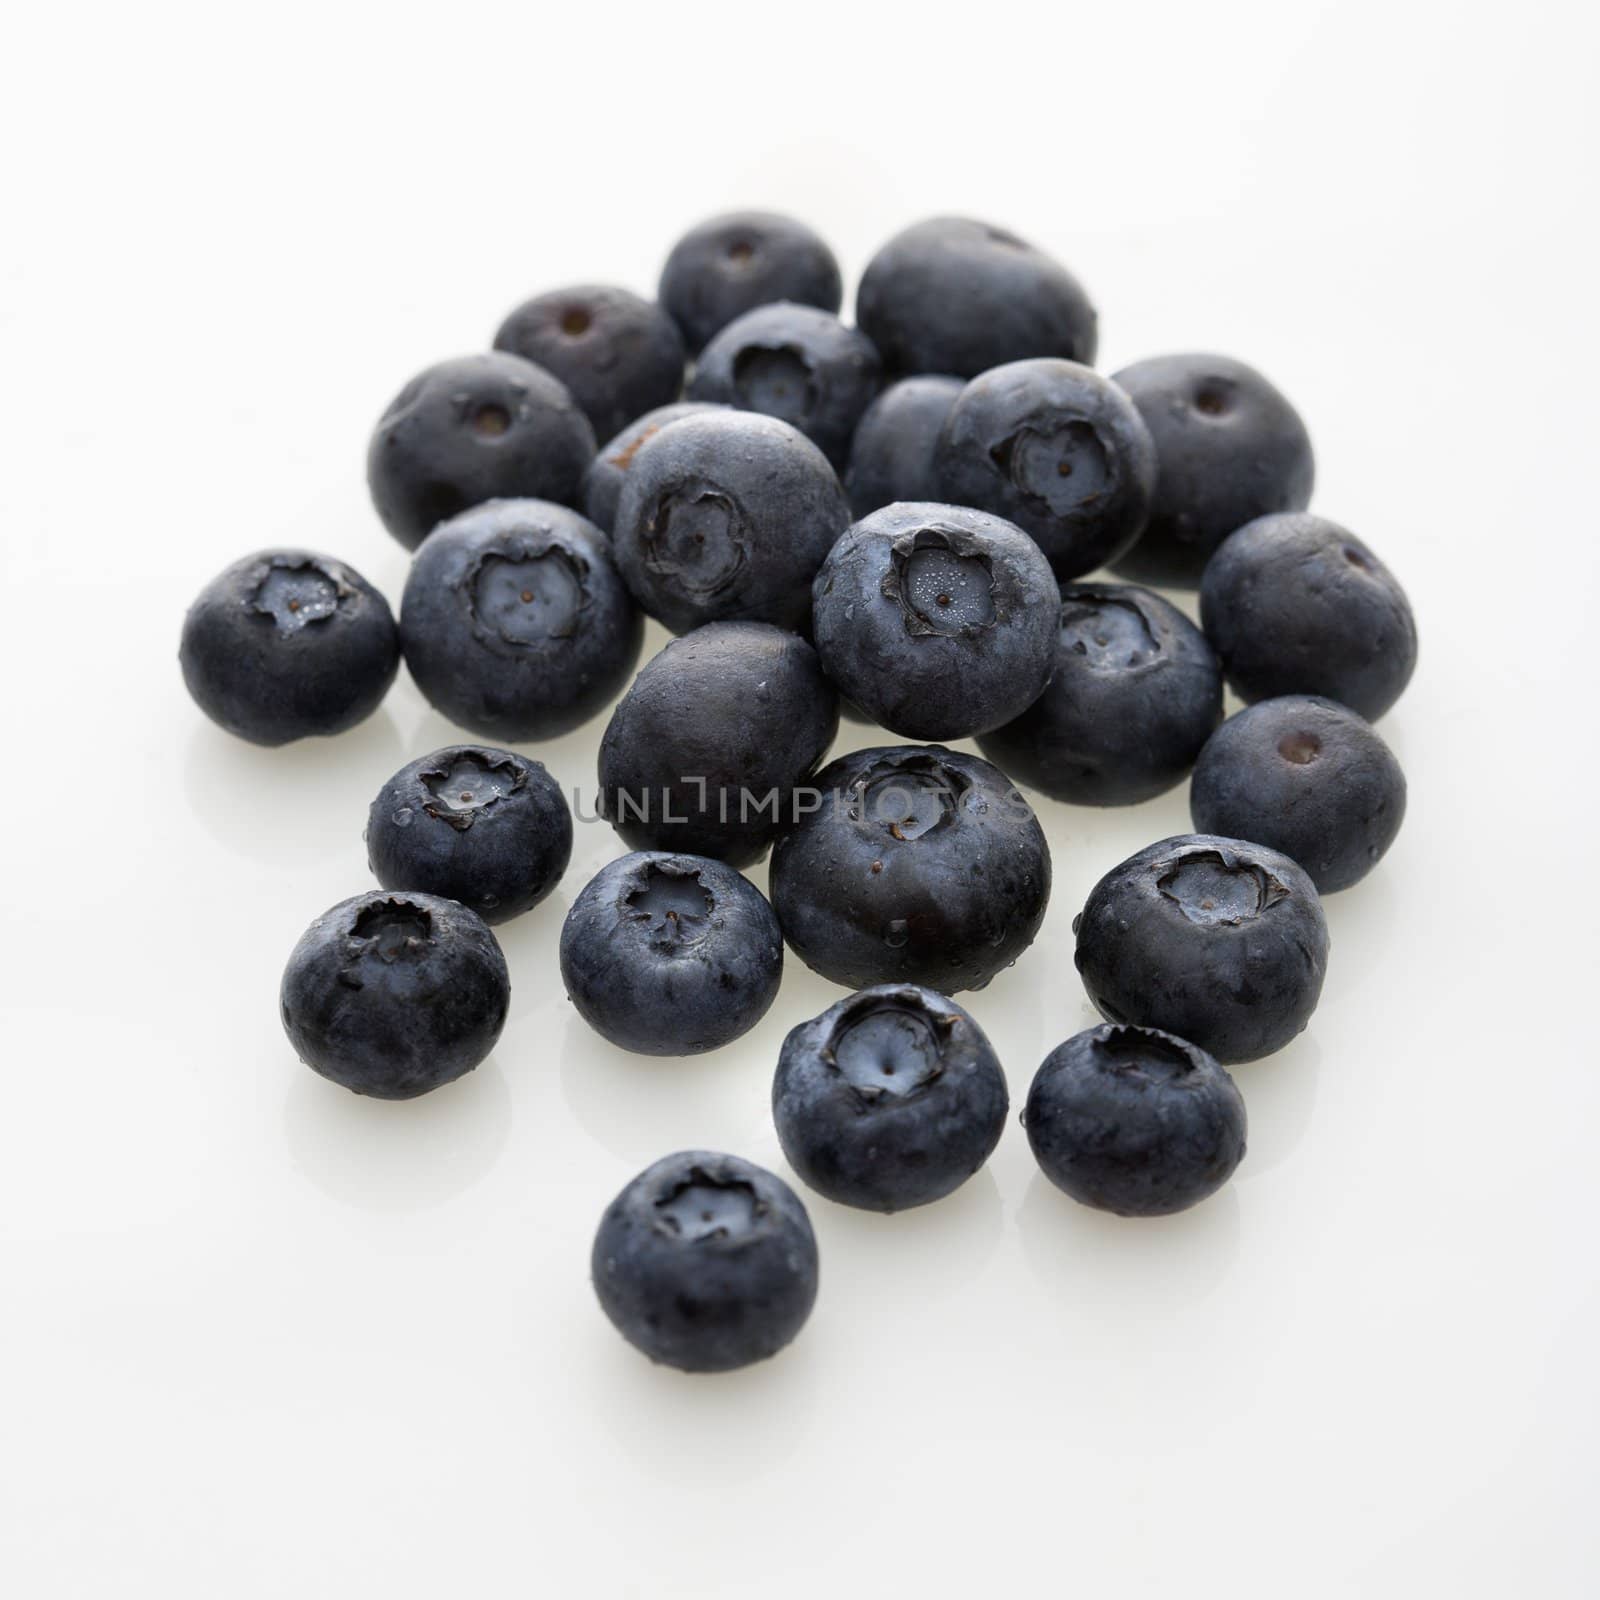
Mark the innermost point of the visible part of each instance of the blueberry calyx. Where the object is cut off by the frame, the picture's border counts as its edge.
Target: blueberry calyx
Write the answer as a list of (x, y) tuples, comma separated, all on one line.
[(702, 1208), (695, 534), (463, 788), (888, 1046), (297, 593), (944, 583), (526, 592), (1209, 887), (673, 902)]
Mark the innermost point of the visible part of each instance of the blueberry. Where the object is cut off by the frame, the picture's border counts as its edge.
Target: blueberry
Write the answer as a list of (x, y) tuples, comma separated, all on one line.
[(618, 355), (483, 826), (1219, 941), (955, 295), (394, 994), (1229, 448), (1135, 694), (1295, 604), (920, 865), (602, 483), (731, 264), (706, 1262), (285, 644), (726, 517), (936, 620), (889, 1099), (892, 456), (1057, 449), (484, 427), (1307, 777), (514, 621), (704, 751), (1135, 1121), (670, 955), (795, 363)]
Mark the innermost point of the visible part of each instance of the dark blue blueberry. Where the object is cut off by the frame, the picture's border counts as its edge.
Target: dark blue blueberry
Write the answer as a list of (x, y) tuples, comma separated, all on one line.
[(618, 355), (889, 1099), (670, 955), (514, 621), (285, 644), (1307, 777), (795, 363), (484, 427), (602, 483), (1057, 449), (731, 264), (483, 826), (1219, 941), (893, 454), (726, 517), (706, 1262), (919, 865), (1135, 694), (393, 994), (1135, 1121), (937, 621), (1229, 448), (1296, 604), (955, 295), (704, 751)]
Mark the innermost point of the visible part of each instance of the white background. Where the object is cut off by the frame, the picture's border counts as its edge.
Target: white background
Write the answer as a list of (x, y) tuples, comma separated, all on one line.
[(258, 1337)]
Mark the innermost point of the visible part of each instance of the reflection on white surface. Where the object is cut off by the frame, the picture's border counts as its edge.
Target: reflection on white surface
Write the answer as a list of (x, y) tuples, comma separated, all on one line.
[(1280, 1095), (396, 1155)]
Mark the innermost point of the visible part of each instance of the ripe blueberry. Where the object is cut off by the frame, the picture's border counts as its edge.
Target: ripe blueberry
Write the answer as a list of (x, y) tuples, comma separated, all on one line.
[(1135, 1121), (483, 826), (514, 621), (1057, 449), (935, 620), (703, 753), (706, 1262), (892, 456), (393, 994), (730, 264), (483, 427), (1295, 604), (1307, 777), (920, 865), (1135, 693), (618, 355), (1219, 941), (602, 483), (889, 1099), (285, 644), (671, 955)]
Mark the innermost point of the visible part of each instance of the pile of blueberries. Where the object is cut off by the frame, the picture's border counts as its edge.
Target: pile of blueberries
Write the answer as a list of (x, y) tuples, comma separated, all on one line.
[(895, 521)]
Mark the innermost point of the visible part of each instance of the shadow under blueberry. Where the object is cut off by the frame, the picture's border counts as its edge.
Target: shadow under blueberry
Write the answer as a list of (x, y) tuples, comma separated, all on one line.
[(1280, 1094), (307, 800), (397, 1155)]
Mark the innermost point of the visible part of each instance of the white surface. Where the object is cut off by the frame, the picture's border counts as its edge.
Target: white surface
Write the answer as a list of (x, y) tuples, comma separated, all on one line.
[(262, 1338)]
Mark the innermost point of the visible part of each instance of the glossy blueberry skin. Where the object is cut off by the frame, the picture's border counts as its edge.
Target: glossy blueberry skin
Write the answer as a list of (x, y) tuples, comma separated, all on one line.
[(731, 264), (1305, 776), (935, 620), (1135, 694), (473, 823), (890, 1099), (508, 667), (920, 865), (742, 707), (1056, 449), (1229, 449), (796, 363), (619, 355), (287, 644), (699, 1295), (670, 955), (726, 517), (602, 483), (1135, 1121), (393, 993), (481, 427), (1295, 604), (892, 456), (955, 295), (1219, 941)]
